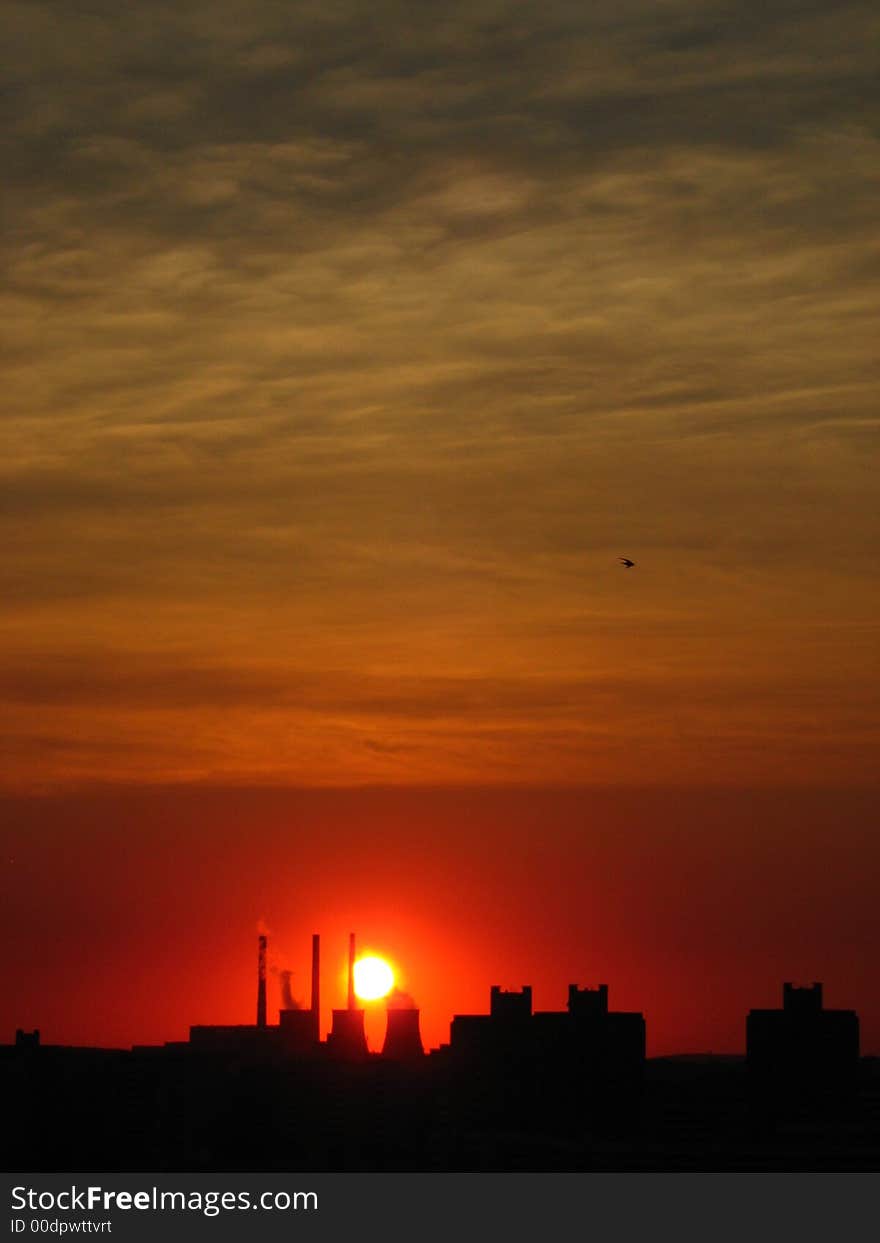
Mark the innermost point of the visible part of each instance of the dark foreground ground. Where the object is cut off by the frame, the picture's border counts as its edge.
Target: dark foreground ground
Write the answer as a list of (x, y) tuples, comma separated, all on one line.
[(98, 1110)]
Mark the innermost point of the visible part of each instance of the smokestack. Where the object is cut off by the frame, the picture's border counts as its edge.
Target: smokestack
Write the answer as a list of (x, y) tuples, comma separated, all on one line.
[(351, 971), (261, 981), (316, 985)]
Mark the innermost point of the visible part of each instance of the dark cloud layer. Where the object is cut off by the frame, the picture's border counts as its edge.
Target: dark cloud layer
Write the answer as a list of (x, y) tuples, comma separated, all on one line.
[(358, 339)]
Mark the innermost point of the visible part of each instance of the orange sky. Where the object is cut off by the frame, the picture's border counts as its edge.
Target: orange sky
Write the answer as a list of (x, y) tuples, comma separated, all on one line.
[(347, 352)]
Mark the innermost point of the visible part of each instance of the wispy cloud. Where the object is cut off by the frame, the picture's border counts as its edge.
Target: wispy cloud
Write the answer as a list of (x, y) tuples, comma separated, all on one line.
[(369, 339)]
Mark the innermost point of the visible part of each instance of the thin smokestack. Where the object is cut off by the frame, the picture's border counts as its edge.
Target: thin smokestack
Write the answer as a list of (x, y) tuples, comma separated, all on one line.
[(351, 971), (261, 981), (316, 984)]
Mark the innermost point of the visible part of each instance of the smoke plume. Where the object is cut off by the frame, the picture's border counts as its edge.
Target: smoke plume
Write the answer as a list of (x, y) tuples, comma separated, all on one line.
[(399, 1000), (288, 1001)]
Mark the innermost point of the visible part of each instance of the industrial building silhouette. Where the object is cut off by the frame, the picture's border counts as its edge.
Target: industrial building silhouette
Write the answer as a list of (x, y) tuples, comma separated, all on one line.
[(802, 1053), (549, 1069), (586, 1031), (514, 1088), (584, 1040), (297, 1033)]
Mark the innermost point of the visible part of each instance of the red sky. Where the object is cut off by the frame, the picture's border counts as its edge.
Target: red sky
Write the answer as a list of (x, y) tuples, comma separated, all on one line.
[(130, 916)]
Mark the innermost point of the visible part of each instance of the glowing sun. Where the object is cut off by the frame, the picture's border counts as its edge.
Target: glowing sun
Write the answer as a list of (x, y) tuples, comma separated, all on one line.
[(373, 978)]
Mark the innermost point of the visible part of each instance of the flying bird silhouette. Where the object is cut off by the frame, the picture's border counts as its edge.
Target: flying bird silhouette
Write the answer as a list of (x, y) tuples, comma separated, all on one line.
[(626, 563)]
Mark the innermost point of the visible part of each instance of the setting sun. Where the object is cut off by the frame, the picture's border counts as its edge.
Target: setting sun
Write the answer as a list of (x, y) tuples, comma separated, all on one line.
[(373, 978)]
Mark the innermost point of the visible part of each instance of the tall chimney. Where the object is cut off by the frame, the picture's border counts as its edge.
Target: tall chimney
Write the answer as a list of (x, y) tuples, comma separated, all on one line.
[(261, 981), (316, 985), (351, 971)]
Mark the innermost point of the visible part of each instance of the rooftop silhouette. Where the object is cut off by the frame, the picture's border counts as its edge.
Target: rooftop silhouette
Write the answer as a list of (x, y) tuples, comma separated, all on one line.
[(802, 1052), (573, 1085)]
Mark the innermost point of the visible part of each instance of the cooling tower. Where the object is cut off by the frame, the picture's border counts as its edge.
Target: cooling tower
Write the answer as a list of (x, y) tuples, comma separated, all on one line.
[(347, 1040), (403, 1039)]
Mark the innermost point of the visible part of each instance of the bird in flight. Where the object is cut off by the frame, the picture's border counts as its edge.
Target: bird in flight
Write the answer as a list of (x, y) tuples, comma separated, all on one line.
[(626, 563)]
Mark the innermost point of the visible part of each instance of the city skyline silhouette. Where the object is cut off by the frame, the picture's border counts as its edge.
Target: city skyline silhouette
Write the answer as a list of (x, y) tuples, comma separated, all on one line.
[(439, 500), (571, 1088)]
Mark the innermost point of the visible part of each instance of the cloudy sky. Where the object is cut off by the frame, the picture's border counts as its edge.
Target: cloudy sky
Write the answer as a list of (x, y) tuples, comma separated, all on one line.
[(347, 347)]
